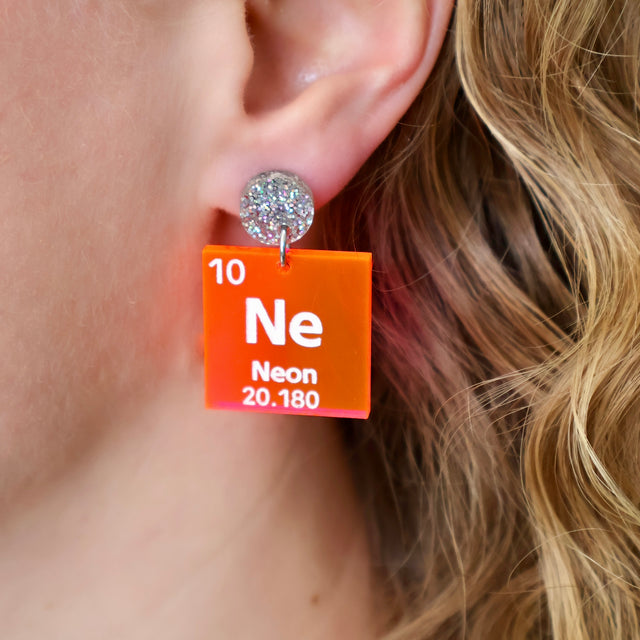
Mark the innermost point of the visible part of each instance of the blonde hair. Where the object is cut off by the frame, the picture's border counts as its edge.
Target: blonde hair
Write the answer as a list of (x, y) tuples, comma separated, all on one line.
[(501, 465)]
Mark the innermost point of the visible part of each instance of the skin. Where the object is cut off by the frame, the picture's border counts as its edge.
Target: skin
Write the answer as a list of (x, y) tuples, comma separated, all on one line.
[(127, 509)]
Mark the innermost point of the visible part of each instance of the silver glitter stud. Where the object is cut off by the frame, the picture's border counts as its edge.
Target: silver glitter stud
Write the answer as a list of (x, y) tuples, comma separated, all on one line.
[(274, 201)]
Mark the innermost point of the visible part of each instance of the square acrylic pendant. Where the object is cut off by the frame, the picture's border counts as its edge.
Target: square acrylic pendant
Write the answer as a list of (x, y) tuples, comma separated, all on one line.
[(287, 340)]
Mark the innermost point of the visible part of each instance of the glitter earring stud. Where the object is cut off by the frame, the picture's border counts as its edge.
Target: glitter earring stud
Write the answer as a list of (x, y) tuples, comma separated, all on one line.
[(276, 208)]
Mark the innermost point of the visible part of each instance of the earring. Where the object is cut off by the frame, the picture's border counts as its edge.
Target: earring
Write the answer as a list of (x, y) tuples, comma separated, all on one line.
[(286, 340), (276, 208)]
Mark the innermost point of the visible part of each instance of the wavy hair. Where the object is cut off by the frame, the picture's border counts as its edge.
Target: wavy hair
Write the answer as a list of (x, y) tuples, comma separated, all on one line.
[(501, 467)]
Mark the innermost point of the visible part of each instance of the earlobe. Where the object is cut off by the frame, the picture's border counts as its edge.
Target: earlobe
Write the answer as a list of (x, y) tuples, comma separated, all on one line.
[(328, 83)]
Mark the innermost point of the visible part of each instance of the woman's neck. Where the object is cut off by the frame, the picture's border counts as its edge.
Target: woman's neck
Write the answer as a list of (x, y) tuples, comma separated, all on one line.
[(187, 523)]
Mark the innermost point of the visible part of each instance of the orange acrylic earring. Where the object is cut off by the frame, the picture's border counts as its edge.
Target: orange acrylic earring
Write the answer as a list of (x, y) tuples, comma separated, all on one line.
[(286, 330)]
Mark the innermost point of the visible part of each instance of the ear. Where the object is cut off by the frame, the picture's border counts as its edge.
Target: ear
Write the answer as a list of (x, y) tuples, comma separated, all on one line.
[(329, 81)]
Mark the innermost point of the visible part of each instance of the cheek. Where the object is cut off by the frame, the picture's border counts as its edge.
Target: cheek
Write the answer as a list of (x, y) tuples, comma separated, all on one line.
[(99, 286)]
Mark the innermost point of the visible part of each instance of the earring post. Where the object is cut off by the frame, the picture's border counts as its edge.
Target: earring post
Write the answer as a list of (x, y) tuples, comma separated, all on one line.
[(283, 245)]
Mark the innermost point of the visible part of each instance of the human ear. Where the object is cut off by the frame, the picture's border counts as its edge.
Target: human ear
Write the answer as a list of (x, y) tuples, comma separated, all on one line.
[(328, 81)]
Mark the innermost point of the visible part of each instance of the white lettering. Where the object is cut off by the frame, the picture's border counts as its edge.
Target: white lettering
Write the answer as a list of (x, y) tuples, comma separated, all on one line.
[(275, 330), (309, 323), (309, 376), (265, 372), (260, 371)]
